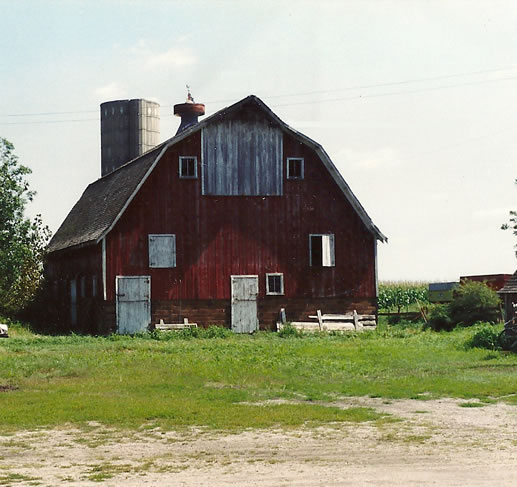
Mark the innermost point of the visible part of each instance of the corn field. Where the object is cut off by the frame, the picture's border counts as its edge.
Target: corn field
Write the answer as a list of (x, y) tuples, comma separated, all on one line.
[(398, 296)]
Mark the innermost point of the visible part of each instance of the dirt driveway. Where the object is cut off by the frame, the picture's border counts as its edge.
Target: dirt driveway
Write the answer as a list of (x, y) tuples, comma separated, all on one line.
[(436, 442)]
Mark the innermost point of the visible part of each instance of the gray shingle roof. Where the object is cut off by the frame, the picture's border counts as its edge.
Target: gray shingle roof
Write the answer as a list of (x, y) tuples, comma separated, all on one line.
[(100, 204), (104, 200)]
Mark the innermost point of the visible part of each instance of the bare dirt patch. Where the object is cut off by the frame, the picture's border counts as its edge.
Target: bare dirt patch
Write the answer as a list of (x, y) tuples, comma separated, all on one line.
[(7, 388), (435, 442)]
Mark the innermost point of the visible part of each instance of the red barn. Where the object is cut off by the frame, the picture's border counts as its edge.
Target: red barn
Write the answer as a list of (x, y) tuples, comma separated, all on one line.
[(227, 222), (493, 281)]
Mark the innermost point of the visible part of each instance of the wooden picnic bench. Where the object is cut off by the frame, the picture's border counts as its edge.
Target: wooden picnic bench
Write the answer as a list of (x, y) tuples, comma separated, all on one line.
[(174, 326)]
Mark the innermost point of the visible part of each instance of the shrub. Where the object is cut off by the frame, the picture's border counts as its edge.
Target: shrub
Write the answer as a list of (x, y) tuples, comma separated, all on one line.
[(486, 337), (472, 302), (440, 318)]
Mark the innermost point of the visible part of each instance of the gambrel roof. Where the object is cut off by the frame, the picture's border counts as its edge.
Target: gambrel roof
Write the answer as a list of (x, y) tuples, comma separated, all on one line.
[(105, 200)]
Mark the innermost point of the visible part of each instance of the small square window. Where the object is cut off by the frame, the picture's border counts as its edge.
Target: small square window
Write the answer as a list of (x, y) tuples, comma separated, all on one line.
[(275, 283), (294, 168), (188, 167)]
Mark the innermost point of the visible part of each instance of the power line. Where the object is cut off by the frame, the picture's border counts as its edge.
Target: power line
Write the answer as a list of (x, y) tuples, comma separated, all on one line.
[(392, 93), (51, 121), (308, 102), (47, 113), (391, 83), (306, 93)]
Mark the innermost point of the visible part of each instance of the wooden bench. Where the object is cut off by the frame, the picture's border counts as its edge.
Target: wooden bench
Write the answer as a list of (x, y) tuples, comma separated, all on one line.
[(334, 322), (174, 326)]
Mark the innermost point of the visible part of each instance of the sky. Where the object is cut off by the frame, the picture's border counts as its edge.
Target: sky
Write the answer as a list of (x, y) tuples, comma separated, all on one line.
[(414, 101)]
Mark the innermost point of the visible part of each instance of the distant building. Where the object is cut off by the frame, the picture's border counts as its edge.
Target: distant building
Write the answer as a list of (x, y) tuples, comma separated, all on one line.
[(442, 292), (494, 281), (227, 222), (508, 294)]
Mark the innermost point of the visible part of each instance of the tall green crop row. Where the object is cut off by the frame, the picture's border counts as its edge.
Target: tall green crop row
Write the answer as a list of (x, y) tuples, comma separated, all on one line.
[(398, 296)]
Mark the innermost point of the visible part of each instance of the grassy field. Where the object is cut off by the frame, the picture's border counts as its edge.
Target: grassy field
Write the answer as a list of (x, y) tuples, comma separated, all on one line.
[(173, 381)]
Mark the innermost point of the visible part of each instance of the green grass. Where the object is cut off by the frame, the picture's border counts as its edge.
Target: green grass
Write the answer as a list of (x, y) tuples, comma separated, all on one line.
[(177, 380), (15, 478)]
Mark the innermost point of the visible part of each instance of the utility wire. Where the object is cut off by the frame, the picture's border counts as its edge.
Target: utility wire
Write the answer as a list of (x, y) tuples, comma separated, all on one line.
[(348, 88), (309, 102), (50, 121), (391, 93), (379, 85)]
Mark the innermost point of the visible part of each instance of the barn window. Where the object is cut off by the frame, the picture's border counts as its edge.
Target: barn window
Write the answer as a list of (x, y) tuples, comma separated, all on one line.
[(188, 167), (162, 250), (274, 283), (83, 286), (94, 286), (321, 250), (294, 168)]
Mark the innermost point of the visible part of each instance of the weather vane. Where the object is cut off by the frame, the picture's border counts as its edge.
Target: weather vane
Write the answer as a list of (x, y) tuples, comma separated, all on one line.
[(189, 96)]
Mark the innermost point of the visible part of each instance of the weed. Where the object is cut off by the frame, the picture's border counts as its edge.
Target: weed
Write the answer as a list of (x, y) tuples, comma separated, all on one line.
[(486, 336), (289, 331)]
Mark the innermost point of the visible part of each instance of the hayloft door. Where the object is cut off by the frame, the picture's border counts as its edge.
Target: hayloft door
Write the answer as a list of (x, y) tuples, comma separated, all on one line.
[(133, 303), (244, 304)]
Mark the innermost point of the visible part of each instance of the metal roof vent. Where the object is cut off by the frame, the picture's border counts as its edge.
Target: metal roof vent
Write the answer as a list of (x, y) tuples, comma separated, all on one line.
[(189, 112)]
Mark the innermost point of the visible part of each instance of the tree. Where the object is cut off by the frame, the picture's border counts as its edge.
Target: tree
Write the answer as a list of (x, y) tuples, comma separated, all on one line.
[(22, 241), (513, 223)]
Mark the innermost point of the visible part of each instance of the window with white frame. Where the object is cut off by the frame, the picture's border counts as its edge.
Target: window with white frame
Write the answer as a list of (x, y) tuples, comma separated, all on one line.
[(321, 250), (275, 283), (294, 168), (162, 250), (188, 167)]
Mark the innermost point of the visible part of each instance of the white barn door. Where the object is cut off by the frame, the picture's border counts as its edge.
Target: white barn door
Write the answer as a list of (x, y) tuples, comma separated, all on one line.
[(133, 303), (244, 304)]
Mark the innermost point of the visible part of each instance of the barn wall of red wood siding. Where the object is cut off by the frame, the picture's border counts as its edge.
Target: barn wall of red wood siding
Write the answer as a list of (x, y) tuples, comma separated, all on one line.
[(220, 236), (60, 269), (218, 311)]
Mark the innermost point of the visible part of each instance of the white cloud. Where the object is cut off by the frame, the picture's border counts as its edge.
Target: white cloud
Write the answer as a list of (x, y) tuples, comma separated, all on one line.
[(111, 91)]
